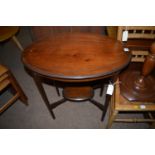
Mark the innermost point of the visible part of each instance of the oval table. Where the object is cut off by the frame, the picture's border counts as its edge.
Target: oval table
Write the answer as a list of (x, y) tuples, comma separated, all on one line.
[(74, 58)]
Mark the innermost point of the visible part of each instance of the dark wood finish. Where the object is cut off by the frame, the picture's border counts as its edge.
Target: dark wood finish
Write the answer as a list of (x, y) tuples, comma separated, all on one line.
[(69, 93), (38, 82), (57, 103), (107, 101), (78, 93), (76, 56), (140, 85), (102, 88)]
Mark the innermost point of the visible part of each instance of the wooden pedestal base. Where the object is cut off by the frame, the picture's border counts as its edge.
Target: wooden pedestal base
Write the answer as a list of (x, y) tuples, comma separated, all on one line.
[(139, 85), (135, 87)]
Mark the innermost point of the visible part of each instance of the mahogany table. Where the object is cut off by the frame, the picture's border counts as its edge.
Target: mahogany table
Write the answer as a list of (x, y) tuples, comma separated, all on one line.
[(74, 58)]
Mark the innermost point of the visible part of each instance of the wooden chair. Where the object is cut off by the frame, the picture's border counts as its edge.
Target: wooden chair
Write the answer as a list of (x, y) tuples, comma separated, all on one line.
[(139, 42), (7, 79), (7, 32)]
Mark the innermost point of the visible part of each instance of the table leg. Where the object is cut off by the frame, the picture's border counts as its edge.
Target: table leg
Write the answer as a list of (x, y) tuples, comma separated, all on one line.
[(55, 104), (100, 106), (108, 97), (57, 89), (38, 83), (102, 88)]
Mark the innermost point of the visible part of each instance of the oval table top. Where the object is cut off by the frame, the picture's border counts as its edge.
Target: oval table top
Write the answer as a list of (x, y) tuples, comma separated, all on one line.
[(75, 56)]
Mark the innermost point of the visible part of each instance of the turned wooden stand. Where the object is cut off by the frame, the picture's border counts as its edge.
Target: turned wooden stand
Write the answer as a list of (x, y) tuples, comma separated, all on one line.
[(140, 85)]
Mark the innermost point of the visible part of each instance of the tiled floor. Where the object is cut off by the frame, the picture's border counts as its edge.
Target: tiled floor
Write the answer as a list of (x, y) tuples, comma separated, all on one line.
[(69, 115)]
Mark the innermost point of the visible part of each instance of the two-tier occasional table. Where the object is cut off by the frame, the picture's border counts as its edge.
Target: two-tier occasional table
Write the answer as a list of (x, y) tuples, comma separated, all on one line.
[(74, 58)]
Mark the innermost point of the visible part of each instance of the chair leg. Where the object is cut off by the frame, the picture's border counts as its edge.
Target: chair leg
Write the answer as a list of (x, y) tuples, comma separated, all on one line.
[(17, 87), (16, 41), (111, 118), (151, 124), (9, 103)]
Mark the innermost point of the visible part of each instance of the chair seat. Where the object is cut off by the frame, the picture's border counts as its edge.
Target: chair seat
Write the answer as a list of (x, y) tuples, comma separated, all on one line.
[(3, 70), (3, 77), (78, 93), (4, 84), (124, 105)]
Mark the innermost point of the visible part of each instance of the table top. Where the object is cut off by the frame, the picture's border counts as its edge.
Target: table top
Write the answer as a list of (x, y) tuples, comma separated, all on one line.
[(76, 56)]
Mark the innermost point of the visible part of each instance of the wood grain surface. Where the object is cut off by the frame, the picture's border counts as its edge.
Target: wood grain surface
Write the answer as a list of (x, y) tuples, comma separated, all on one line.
[(75, 56)]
